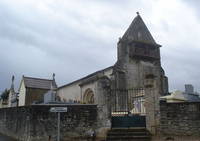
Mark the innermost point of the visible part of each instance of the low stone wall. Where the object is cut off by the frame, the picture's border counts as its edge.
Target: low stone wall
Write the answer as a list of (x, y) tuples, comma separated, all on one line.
[(180, 120), (36, 123)]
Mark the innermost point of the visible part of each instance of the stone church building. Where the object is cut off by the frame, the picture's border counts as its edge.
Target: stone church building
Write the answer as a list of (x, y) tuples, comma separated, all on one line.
[(132, 86), (127, 101)]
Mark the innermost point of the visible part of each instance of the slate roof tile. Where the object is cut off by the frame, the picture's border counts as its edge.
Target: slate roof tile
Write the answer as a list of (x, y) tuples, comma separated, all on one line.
[(38, 83)]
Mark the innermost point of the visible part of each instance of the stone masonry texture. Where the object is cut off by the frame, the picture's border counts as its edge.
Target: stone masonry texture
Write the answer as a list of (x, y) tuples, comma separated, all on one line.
[(36, 123), (180, 119)]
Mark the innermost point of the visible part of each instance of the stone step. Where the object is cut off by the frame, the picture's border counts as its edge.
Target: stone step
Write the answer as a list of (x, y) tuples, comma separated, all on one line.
[(131, 138), (128, 134), (136, 129), (127, 137)]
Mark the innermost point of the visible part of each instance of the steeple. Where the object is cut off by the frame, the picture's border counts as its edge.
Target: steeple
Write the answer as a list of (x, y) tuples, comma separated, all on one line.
[(12, 84), (138, 31), (53, 82)]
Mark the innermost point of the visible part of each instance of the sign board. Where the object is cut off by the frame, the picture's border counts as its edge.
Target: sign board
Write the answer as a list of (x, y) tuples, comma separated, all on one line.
[(58, 109)]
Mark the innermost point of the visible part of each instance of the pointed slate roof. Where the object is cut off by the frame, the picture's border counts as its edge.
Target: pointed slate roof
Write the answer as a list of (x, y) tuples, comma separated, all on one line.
[(138, 31)]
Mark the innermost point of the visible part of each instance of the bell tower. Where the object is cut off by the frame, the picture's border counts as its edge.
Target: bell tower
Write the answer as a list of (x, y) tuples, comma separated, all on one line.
[(138, 42), (138, 56), (139, 68)]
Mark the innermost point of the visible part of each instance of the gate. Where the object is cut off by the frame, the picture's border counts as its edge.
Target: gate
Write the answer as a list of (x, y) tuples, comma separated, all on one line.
[(128, 108), (128, 121)]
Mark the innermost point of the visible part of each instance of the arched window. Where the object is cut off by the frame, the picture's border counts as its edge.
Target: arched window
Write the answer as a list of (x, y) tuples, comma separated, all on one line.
[(88, 96)]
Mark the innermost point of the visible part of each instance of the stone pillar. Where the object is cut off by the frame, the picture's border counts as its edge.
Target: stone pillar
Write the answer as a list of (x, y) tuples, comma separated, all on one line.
[(152, 95), (104, 107)]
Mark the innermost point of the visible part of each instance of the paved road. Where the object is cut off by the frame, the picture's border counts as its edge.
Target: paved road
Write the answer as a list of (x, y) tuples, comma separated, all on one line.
[(4, 138)]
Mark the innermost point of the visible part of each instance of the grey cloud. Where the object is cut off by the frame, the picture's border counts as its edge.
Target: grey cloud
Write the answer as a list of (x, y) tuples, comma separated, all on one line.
[(73, 42), (182, 66), (195, 5)]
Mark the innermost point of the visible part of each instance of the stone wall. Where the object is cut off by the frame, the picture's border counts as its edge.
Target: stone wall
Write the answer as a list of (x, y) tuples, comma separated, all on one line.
[(70, 92), (180, 119), (36, 123), (34, 95)]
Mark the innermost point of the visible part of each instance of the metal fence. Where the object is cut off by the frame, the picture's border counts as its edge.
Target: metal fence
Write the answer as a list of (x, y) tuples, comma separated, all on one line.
[(128, 101)]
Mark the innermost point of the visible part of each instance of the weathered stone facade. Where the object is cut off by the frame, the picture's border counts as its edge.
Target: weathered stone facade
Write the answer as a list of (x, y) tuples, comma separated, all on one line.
[(32, 90), (36, 123), (138, 66), (180, 119), (34, 95), (75, 91)]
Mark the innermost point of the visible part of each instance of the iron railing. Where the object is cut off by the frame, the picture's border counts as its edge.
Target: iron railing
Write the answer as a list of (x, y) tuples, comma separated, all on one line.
[(128, 101)]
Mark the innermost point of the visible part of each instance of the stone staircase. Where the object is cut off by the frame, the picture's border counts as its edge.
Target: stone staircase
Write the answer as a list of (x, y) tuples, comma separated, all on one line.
[(128, 134)]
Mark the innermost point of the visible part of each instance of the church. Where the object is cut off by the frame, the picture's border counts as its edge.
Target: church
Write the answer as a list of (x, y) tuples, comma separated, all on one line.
[(127, 101), (133, 85), (137, 52)]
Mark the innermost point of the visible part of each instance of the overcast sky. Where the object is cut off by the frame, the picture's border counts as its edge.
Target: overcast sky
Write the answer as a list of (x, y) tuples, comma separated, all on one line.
[(74, 38)]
